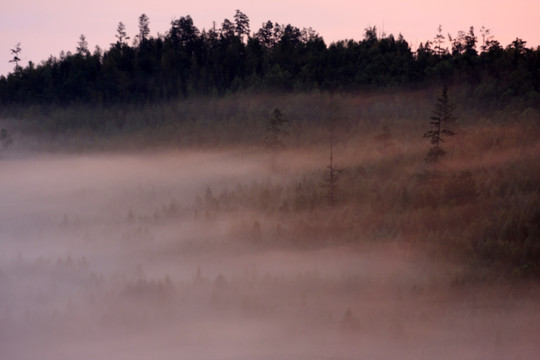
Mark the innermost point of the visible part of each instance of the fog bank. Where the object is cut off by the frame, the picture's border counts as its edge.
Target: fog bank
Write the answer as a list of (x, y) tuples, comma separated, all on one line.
[(124, 257)]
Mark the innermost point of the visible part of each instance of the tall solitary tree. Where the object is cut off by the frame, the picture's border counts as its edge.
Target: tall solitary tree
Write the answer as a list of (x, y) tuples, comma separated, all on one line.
[(442, 116)]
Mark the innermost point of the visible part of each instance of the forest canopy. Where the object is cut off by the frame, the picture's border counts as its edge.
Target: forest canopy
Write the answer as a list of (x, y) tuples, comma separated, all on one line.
[(186, 62)]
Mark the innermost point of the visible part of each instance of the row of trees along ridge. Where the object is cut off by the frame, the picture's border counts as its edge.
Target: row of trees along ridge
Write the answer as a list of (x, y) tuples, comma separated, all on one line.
[(221, 60)]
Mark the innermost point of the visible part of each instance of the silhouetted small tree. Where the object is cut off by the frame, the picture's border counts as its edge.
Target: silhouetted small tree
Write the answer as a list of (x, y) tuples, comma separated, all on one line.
[(331, 180), (227, 29), (121, 35), (16, 59), (144, 28), (438, 41), (332, 177), (82, 46), (441, 117), (275, 130), (487, 39), (241, 27), (265, 35)]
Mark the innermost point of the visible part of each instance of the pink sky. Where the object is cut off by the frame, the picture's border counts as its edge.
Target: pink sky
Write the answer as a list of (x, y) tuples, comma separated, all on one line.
[(46, 27)]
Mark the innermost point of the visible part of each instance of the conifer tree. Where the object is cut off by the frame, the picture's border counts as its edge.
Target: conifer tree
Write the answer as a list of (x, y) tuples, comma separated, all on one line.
[(332, 177), (144, 28), (438, 42), (331, 180), (241, 24), (82, 46), (275, 130), (442, 116), (121, 34), (16, 59), (265, 35)]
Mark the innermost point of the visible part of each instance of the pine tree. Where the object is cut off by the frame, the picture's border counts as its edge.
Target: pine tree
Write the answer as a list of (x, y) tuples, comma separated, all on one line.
[(441, 117)]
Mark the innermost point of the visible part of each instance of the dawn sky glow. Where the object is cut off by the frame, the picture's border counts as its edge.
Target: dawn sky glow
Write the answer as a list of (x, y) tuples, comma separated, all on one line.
[(45, 28)]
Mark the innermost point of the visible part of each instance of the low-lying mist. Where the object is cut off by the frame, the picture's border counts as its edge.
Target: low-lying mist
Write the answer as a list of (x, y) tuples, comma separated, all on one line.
[(230, 255)]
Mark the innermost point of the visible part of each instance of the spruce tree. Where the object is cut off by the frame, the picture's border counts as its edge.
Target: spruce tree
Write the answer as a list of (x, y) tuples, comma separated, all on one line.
[(442, 116)]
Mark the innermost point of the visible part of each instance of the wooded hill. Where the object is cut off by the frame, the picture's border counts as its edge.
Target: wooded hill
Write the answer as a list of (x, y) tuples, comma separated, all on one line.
[(186, 62)]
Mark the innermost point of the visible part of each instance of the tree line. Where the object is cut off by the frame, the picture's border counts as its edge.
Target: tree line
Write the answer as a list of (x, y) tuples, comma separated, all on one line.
[(186, 61)]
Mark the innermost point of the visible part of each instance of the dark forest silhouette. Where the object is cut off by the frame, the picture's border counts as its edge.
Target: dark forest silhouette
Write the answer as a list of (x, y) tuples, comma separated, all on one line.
[(188, 62)]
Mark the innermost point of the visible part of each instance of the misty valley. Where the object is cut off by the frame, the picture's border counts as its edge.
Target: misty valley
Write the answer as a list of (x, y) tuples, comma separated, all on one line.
[(234, 254), (240, 194)]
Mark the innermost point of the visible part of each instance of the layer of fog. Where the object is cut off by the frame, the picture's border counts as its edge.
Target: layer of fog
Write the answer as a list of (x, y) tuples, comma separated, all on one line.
[(106, 256)]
